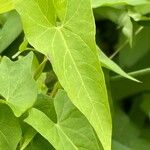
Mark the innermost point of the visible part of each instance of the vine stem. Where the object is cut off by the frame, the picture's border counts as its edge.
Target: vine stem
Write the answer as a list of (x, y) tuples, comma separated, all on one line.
[(39, 70), (56, 87)]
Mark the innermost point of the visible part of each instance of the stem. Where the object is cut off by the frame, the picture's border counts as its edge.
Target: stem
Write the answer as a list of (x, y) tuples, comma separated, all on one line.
[(39, 70), (57, 86)]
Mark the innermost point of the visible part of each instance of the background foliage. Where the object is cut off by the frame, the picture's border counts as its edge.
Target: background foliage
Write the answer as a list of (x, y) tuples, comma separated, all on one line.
[(53, 94)]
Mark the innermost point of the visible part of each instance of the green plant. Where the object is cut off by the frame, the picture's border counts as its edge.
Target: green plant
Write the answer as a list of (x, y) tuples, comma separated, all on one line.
[(56, 91)]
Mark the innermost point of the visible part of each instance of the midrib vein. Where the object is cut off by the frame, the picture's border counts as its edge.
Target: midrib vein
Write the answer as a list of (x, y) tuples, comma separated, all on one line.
[(83, 84)]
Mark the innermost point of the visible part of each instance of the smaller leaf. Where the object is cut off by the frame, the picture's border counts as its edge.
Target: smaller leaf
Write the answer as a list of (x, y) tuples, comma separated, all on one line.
[(98, 3), (70, 126), (17, 84), (109, 64), (39, 143), (27, 138), (7, 33), (10, 132), (119, 146)]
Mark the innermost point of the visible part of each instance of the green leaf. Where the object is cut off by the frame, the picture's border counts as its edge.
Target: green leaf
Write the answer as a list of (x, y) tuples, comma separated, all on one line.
[(109, 64), (119, 146), (39, 143), (27, 138), (118, 16), (16, 84), (129, 56), (71, 126), (10, 132), (6, 5), (9, 34), (45, 104), (119, 91), (98, 3), (70, 45)]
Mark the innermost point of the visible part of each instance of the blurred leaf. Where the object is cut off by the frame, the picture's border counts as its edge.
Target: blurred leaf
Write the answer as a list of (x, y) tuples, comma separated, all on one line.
[(126, 132), (10, 30), (109, 64), (122, 87), (10, 132), (119, 146), (98, 3), (145, 104), (118, 16), (129, 56)]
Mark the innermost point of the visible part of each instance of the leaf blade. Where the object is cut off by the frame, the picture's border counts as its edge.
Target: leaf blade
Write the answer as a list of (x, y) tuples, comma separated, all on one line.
[(61, 44), (16, 82)]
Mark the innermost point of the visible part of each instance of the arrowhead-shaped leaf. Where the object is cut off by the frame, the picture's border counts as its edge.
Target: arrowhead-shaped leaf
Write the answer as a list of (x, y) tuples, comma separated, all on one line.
[(71, 126), (109, 64), (10, 132), (17, 85), (65, 32)]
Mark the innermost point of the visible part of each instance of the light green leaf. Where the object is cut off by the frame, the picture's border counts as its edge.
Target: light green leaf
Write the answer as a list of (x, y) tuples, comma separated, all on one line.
[(71, 126), (70, 45), (119, 146), (9, 34), (16, 84), (109, 64), (10, 132), (98, 3), (6, 5)]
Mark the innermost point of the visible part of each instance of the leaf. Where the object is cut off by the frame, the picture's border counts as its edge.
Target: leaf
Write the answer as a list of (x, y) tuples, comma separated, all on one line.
[(130, 56), (119, 92), (70, 45), (98, 3), (10, 132), (109, 64), (27, 138), (46, 104), (123, 125), (39, 143), (119, 146), (6, 5), (71, 125), (9, 34), (119, 17), (16, 84)]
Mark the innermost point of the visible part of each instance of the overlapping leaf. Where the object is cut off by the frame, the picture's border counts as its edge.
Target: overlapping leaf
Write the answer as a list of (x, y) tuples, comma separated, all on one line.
[(6, 5), (71, 126), (119, 17), (9, 34), (98, 3), (68, 40), (17, 85), (10, 132), (109, 64)]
